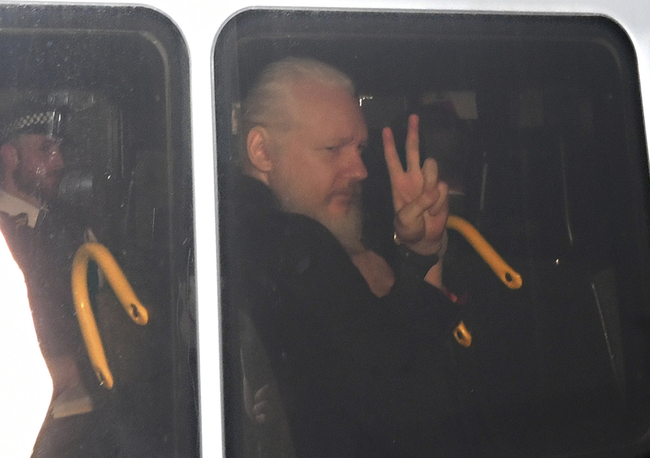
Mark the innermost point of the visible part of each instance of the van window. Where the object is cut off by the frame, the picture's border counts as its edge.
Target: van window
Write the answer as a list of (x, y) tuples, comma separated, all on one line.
[(113, 84), (543, 148)]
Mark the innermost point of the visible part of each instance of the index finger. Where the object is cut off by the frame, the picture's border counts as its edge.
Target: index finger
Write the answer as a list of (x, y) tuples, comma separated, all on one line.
[(390, 153)]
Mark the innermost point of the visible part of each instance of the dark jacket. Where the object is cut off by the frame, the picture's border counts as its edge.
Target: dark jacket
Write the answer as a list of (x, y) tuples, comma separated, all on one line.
[(358, 375), (44, 254)]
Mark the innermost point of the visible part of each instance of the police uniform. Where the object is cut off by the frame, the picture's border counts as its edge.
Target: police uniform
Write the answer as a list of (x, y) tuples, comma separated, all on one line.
[(44, 240)]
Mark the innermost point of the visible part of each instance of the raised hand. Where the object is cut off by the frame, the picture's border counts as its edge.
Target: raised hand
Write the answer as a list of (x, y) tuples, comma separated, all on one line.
[(420, 200)]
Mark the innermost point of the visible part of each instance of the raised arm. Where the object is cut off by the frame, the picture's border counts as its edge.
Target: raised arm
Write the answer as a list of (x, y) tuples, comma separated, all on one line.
[(419, 198)]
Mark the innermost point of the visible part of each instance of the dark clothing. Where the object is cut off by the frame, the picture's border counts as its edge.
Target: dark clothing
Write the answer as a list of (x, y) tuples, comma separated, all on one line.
[(44, 254), (358, 375), (127, 421)]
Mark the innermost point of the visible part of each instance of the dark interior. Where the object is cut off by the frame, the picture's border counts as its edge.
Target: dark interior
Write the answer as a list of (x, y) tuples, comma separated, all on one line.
[(556, 181)]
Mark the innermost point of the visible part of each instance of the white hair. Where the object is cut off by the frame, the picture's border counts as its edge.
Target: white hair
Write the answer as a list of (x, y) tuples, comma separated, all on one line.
[(267, 103)]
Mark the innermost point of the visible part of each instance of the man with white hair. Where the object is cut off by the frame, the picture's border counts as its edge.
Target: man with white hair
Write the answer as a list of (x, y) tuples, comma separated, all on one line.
[(356, 345)]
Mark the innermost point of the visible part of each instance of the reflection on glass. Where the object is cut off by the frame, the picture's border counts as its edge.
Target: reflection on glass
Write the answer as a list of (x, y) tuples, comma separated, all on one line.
[(89, 154), (536, 125)]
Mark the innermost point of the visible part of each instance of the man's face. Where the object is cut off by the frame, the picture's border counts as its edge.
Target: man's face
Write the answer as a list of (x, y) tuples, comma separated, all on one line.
[(40, 165), (317, 167)]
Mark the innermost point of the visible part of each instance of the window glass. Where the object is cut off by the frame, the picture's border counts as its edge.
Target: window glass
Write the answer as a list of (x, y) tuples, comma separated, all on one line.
[(543, 149), (106, 90)]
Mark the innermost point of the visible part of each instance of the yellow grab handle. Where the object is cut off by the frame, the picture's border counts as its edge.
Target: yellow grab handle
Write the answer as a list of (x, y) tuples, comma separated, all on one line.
[(506, 274), (462, 335), (123, 291)]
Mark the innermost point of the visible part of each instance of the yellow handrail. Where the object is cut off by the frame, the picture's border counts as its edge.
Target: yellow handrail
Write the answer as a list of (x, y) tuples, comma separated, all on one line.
[(123, 291), (462, 335), (506, 274)]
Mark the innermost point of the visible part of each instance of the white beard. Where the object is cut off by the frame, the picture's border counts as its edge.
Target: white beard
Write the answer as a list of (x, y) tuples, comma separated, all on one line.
[(348, 229)]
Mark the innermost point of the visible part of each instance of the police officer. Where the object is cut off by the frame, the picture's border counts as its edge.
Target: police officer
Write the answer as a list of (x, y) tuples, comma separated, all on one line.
[(43, 237)]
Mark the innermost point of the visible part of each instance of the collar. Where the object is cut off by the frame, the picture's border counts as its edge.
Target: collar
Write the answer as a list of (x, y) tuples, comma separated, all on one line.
[(251, 192), (13, 206)]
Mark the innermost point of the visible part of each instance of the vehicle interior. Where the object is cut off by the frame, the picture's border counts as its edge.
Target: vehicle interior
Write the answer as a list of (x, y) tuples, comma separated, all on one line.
[(554, 176), (119, 76)]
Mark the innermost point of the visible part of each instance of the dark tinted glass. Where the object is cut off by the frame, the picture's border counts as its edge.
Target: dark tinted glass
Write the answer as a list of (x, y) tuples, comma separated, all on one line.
[(119, 79), (553, 173)]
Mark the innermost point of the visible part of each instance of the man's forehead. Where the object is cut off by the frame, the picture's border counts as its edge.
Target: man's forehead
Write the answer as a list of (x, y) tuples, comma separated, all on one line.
[(38, 139), (310, 92), (325, 107)]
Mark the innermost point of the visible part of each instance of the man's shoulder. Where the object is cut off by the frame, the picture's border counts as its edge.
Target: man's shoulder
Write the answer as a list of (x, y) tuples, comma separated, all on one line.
[(281, 235), (258, 234), (251, 211)]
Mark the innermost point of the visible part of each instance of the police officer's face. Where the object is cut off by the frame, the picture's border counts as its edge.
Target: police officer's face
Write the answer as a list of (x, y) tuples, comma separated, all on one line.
[(317, 167), (40, 165)]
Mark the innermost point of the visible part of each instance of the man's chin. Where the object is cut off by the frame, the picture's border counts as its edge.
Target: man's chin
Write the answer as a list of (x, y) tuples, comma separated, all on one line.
[(346, 228), (341, 203), (49, 194)]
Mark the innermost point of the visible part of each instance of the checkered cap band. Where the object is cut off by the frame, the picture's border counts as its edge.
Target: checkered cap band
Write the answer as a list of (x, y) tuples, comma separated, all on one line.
[(46, 118)]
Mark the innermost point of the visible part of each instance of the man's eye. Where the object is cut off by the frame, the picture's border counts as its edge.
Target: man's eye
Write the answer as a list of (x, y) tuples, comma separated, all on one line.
[(47, 147), (332, 149)]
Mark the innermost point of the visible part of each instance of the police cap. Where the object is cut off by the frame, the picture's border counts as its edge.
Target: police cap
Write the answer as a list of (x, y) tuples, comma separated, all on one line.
[(32, 118)]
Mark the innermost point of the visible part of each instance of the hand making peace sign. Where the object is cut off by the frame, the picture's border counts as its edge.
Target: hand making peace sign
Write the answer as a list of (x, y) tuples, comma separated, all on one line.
[(420, 200)]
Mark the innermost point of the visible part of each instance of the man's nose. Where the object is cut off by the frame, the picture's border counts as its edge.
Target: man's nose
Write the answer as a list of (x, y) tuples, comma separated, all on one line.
[(355, 168), (56, 158)]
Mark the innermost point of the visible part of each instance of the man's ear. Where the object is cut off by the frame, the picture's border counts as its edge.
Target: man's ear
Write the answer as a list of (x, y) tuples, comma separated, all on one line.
[(258, 145)]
